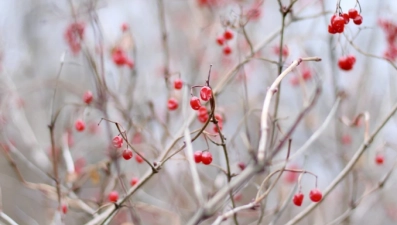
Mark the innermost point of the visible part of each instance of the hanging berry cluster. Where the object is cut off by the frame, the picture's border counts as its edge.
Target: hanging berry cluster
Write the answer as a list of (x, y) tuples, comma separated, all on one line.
[(339, 20), (315, 194), (222, 41), (204, 157), (346, 62)]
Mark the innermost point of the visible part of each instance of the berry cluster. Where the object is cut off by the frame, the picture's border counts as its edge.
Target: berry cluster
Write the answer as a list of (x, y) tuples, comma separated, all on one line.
[(390, 30), (346, 62), (202, 114), (338, 21), (222, 41), (315, 195), (120, 58), (73, 35), (205, 95), (204, 157)]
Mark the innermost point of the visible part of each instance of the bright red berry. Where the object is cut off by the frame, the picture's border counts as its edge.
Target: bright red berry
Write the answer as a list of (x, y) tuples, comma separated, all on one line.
[(178, 84), (117, 142), (198, 156), (220, 40), (119, 58), (228, 34), (206, 158), (203, 118), (79, 125), (346, 62), (172, 104), (298, 199), (87, 97), (195, 103), (205, 93), (338, 21), (134, 181), (315, 195), (353, 13), (138, 158), (331, 29), (127, 154), (220, 125), (64, 208), (113, 196), (202, 111), (346, 17), (379, 159), (227, 50), (358, 20)]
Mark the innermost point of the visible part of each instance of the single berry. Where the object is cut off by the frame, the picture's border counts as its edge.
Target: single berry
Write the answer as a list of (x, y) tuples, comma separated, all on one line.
[(358, 20), (195, 103), (338, 21), (346, 139), (205, 93), (228, 34), (178, 84), (346, 17), (220, 40), (124, 27), (307, 74), (117, 142), (79, 125), (331, 29), (315, 195), (172, 104), (87, 97), (241, 165), (203, 118), (298, 199), (227, 50), (127, 154), (134, 181), (113, 196), (218, 117), (220, 125), (379, 159), (119, 58), (198, 156), (202, 111), (353, 13), (206, 158), (64, 208), (138, 158)]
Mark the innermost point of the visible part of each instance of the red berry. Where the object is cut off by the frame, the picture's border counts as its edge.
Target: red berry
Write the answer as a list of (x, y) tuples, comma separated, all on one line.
[(130, 63), (113, 196), (218, 117), (202, 111), (79, 125), (195, 103), (298, 199), (205, 93), (119, 58), (228, 35), (338, 21), (241, 165), (206, 158), (315, 195), (220, 40), (358, 20), (203, 118), (138, 158), (227, 50), (379, 159), (124, 27), (198, 156), (353, 13), (117, 142), (64, 208), (220, 125), (346, 17), (307, 74), (134, 181), (346, 139), (87, 97), (346, 62), (127, 154), (331, 29), (172, 104), (178, 84)]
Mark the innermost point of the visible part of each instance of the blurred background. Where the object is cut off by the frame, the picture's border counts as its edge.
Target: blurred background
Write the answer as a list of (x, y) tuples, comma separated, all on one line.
[(53, 52)]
